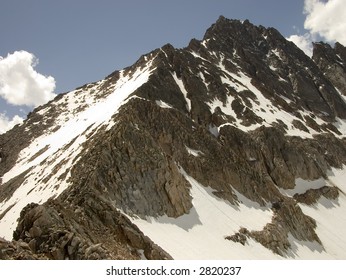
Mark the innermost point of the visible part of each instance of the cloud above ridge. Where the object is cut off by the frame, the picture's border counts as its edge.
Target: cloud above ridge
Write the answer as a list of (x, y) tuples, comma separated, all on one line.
[(7, 124), (21, 84), (304, 42), (327, 19), (324, 19)]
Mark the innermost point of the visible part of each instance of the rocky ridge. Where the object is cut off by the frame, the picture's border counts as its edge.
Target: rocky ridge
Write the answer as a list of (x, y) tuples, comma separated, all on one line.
[(242, 111)]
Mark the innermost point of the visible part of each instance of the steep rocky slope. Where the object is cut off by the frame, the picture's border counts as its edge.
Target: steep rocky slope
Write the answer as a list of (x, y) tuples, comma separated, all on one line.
[(219, 147), (331, 62)]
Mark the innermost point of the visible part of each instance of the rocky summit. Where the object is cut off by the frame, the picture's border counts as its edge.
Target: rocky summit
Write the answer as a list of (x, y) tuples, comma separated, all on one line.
[(231, 148)]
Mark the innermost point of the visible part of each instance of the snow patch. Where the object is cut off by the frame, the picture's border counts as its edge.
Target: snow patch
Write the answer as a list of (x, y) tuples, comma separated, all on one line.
[(193, 152), (183, 90), (214, 130), (225, 108), (340, 124), (276, 53), (301, 186), (273, 68), (163, 104), (197, 55)]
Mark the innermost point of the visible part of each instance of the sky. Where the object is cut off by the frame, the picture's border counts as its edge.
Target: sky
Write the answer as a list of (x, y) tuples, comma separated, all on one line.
[(49, 47)]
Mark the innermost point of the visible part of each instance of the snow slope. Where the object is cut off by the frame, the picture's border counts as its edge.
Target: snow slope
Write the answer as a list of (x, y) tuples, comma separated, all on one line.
[(330, 217), (201, 233), (56, 152)]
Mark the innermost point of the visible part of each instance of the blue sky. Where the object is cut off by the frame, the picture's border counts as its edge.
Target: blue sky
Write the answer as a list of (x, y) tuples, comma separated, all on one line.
[(77, 41)]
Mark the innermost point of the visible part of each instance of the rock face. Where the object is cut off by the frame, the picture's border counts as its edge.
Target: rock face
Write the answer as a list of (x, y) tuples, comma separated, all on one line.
[(242, 111), (332, 62)]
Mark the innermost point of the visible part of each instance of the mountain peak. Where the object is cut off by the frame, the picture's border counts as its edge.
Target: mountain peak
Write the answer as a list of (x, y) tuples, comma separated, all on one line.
[(225, 27), (236, 139)]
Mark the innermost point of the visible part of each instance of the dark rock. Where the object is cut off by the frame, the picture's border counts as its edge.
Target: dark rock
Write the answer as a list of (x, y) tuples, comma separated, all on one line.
[(311, 196), (332, 62)]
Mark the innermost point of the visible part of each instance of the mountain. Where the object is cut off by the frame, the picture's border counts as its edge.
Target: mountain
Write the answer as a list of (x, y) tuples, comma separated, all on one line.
[(233, 147)]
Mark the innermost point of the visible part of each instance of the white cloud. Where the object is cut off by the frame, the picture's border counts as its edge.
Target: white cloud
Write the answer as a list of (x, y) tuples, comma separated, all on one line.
[(20, 84), (327, 19), (7, 124), (304, 42), (324, 19)]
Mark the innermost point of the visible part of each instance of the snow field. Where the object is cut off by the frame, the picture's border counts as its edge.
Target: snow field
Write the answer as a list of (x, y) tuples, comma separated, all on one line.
[(201, 233)]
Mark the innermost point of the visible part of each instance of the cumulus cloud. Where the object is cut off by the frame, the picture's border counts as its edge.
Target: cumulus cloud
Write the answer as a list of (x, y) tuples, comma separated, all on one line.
[(20, 84), (304, 42), (324, 19), (7, 124), (327, 19)]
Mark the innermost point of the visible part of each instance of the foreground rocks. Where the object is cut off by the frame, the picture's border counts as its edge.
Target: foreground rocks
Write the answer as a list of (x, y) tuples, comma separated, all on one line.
[(53, 232)]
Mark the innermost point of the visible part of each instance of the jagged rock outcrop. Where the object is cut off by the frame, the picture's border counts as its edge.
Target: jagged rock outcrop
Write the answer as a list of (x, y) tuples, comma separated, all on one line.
[(266, 56), (288, 219), (332, 62), (92, 231), (17, 250), (311, 196), (243, 111)]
